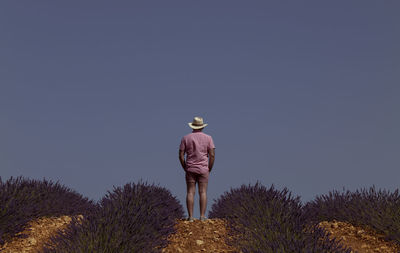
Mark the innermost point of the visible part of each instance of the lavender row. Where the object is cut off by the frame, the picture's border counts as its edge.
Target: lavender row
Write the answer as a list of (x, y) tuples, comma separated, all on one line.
[(379, 210), (268, 220), (133, 218), (22, 200)]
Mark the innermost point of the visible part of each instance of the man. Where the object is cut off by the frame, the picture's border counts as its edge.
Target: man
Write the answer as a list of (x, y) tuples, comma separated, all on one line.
[(200, 154)]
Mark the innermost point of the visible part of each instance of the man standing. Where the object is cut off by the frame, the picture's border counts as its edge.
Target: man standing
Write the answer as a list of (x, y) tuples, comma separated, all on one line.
[(200, 154)]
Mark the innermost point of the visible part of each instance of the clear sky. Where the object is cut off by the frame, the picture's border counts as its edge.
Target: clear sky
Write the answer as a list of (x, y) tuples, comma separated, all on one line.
[(299, 94)]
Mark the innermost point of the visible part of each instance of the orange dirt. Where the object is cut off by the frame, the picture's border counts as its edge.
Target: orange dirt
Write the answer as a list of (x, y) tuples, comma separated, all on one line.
[(202, 236), (38, 231), (359, 239)]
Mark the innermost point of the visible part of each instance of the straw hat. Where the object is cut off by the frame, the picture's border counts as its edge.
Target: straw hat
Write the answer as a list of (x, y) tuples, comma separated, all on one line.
[(197, 123)]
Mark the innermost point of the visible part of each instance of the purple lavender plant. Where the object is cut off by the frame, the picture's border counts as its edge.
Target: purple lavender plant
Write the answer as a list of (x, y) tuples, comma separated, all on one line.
[(22, 200), (270, 221), (133, 218)]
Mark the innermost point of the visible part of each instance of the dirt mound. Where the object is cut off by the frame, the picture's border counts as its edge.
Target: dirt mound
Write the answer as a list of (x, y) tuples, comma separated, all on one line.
[(360, 239), (199, 236), (38, 231)]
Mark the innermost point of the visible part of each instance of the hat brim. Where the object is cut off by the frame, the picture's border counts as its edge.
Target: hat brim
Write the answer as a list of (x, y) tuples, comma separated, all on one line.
[(196, 127)]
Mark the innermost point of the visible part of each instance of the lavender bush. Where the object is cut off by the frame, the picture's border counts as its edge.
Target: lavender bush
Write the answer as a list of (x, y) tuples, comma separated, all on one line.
[(366, 207), (134, 218), (22, 200), (270, 221)]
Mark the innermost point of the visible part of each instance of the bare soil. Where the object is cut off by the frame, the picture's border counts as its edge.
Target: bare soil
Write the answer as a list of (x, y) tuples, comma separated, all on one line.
[(37, 232), (202, 236), (359, 239)]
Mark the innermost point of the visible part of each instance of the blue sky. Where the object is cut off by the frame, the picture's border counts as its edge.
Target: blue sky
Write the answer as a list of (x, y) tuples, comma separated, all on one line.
[(303, 95)]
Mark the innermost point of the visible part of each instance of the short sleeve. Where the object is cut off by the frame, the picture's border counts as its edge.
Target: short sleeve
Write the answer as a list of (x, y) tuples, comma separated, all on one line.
[(211, 143), (182, 146)]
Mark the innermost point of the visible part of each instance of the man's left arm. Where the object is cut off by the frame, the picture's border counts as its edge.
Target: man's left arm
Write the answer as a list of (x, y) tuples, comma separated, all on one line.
[(182, 159)]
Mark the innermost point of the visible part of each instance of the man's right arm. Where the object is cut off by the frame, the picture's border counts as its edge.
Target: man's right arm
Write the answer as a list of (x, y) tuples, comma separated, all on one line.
[(211, 158), (182, 159)]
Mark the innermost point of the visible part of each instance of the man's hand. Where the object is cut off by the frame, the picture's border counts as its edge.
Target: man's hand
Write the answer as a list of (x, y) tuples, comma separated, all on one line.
[(182, 159), (211, 158)]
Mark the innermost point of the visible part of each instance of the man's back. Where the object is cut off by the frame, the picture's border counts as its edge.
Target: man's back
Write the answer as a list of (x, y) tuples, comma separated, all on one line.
[(197, 145)]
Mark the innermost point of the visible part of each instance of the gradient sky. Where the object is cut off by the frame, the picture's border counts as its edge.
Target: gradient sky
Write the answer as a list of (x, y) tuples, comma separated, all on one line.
[(299, 94)]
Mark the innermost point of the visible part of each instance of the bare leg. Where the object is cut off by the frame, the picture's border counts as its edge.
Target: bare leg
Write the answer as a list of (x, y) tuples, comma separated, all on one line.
[(203, 198), (191, 190)]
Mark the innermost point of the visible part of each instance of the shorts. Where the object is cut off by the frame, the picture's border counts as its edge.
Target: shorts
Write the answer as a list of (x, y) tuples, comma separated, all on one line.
[(195, 177)]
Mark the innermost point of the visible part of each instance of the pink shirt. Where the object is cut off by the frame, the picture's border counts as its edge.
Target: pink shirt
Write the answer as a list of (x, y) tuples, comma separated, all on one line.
[(196, 146)]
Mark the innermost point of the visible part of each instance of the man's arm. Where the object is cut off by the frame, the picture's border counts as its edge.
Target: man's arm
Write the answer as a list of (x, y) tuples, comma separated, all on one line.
[(182, 159), (211, 158)]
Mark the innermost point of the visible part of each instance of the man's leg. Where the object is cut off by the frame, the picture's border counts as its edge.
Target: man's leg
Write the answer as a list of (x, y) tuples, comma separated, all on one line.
[(191, 190), (203, 198)]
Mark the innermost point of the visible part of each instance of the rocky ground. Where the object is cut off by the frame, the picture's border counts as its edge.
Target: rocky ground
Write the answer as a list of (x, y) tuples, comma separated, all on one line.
[(202, 236), (37, 232), (360, 239)]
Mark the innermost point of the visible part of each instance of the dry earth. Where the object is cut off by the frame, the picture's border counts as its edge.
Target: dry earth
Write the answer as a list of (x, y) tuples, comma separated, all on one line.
[(202, 236), (360, 239), (37, 232)]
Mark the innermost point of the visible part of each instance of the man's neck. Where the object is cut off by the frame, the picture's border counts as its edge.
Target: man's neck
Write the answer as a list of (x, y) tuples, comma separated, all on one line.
[(196, 131)]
